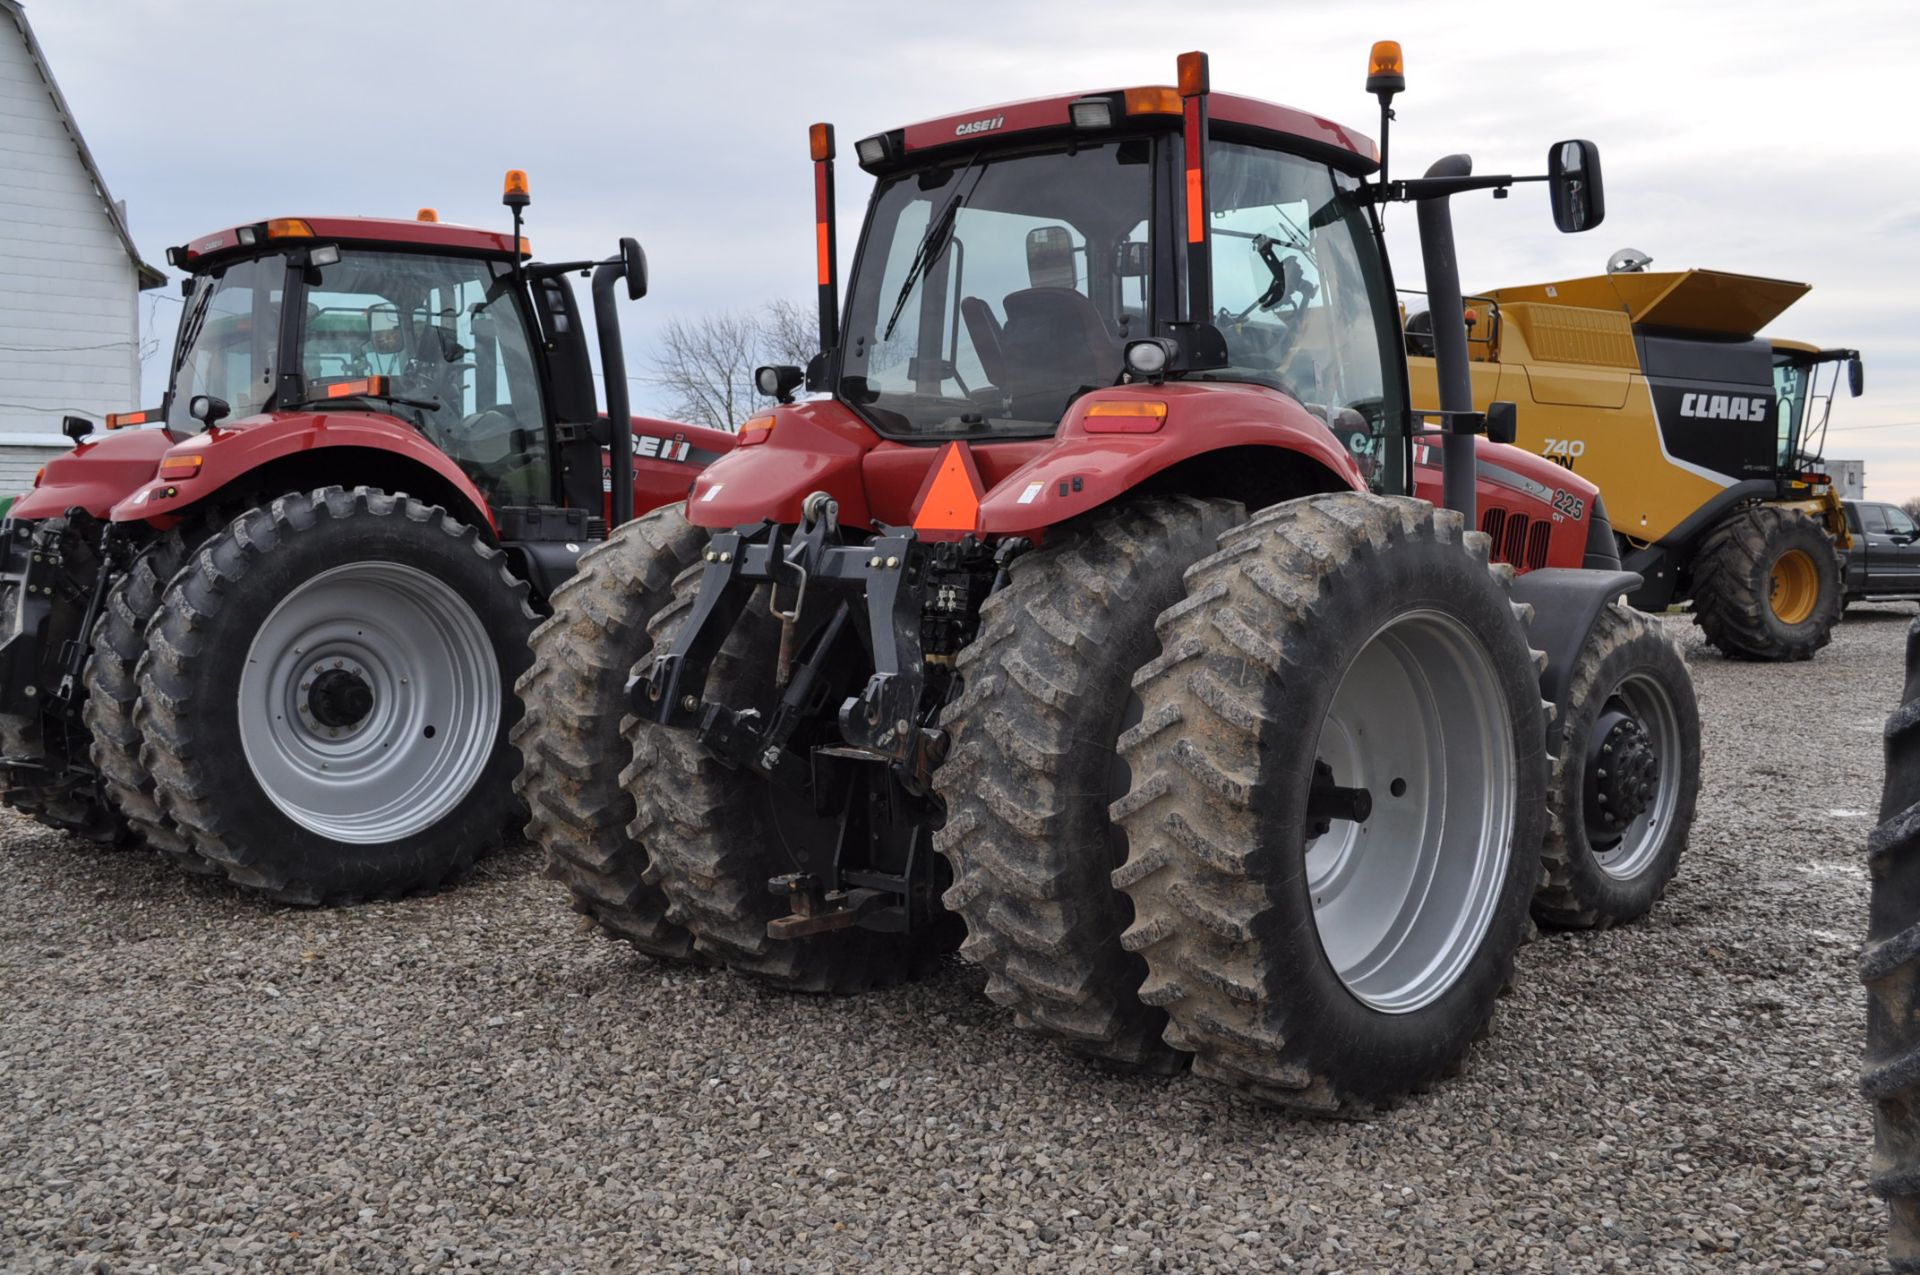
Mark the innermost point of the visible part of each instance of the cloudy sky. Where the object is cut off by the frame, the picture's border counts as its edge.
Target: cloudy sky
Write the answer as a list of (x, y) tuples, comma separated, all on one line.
[(1764, 138)]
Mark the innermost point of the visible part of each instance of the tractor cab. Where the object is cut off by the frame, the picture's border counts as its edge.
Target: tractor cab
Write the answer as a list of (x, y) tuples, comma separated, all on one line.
[(1003, 274), (1805, 380), (441, 340), (446, 329)]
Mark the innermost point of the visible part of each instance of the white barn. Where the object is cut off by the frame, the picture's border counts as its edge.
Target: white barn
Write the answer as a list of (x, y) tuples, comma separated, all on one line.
[(70, 276)]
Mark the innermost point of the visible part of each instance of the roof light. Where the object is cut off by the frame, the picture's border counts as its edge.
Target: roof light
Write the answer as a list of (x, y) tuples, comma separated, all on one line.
[(325, 255), (427, 214), (126, 420), (39, 474), (820, 141), (514, 191), (871, 150), (287, 228), (1125, 416), (177, 467), (1386, 70), (245, 235), (1157, 100), (1096, 112), (369, 385), (1193, 74), (526, 246)]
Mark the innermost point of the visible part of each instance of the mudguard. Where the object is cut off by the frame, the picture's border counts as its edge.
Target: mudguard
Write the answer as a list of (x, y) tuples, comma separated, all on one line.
[(815, 446), (1083, 470), (1565, 604), (96, 475), (234, 450)]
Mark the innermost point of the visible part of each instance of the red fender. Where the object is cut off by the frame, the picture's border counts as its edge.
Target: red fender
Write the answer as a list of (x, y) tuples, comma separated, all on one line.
[(96, 475), (232, 451), (813, 446), (1083, 471)]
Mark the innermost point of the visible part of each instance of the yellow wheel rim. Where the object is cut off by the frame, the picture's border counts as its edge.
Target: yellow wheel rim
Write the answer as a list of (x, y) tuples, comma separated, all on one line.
[(1795, 588)]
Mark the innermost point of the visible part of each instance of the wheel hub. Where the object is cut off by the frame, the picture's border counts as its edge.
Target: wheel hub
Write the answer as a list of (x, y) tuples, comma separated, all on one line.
[(338, 696), (1623, 774)]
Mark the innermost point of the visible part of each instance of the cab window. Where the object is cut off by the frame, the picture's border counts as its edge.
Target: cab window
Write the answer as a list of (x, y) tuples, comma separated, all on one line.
[(229, 339), (1299, 290), (451, 337)]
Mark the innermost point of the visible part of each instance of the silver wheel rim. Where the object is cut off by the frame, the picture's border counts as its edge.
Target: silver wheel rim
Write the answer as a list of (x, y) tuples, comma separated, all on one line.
[(1647, 701), (423, 654), (1402, 901)]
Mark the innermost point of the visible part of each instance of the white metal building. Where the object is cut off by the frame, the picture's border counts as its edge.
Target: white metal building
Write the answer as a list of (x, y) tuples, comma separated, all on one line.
[(70, 276)]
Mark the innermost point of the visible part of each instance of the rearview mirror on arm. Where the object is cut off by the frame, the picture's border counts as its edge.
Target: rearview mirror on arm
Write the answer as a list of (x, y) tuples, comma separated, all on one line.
[(634, 258), (1573, 182), (1856, 377)]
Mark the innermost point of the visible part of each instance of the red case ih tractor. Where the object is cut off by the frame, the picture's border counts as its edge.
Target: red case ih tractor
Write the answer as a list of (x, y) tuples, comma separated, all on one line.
[(1100, 600), (277, 633)]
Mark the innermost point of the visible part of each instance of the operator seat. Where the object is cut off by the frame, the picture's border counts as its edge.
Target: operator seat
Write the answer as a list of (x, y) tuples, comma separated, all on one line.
[(1054, 342), (984, 330)]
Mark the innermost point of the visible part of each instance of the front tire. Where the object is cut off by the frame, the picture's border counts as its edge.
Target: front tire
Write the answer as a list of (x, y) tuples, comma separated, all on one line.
[(1033, 770), (1767, 585), (1625, 777), (1308, 958), (327, 698)]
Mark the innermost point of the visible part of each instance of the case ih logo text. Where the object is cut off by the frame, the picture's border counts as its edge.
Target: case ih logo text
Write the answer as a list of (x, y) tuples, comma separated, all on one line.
[(1723, 407), (980, 126)]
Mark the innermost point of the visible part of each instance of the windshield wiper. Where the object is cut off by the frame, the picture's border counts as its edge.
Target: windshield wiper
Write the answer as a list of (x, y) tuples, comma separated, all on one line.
[(939, 231), (191, 333)]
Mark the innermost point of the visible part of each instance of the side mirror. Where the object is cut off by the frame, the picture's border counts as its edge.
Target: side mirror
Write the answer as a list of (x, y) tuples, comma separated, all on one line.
[(76, 427), (1573, 181), (208, 410), (1503, 422), (1856, 376), (778, 382), (634, 259)]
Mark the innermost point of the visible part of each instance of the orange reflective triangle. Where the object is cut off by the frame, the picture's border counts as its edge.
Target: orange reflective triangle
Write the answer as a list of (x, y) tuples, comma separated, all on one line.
[(951, 499)]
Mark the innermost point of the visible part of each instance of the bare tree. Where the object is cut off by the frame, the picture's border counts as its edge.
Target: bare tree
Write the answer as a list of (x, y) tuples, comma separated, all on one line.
[(1912, 505), (706, 364)]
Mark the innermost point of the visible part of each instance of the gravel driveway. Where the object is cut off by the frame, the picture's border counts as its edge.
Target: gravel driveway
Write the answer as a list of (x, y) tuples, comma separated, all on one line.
[(191, 1080)]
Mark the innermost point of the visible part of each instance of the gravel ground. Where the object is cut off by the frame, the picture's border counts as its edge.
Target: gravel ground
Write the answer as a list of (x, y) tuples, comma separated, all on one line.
[(191, 1080)]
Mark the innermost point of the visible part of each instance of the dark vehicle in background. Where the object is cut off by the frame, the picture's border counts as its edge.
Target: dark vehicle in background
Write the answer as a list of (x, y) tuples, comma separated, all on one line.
[(1884, 563)]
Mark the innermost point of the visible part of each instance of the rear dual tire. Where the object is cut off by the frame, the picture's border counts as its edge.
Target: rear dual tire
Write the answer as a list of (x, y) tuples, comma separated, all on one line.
[(1314, 973), (326, 699), (1033, 770)]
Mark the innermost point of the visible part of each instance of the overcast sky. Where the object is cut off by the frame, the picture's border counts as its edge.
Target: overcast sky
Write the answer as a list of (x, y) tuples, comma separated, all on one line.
[(1769, 139)]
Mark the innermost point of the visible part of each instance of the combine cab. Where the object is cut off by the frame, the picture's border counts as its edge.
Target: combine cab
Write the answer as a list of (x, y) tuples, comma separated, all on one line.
[(1704, 438), (273, 625), (1101, 600)]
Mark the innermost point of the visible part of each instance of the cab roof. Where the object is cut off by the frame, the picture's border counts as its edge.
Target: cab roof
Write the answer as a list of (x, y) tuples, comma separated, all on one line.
[(1354, 152), (386, 231)]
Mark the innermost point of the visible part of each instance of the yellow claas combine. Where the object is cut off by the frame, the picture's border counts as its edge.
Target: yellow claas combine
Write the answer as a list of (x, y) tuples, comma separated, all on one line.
[(1703, 437)]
